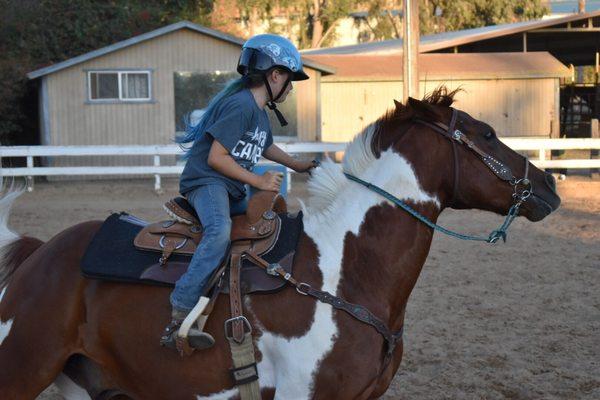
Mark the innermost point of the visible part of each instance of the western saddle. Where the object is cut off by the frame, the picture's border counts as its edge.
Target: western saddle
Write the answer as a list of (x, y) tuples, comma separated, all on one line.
[(255, 230)]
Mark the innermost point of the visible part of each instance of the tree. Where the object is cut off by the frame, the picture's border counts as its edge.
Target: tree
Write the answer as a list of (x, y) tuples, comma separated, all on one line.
[(310, 23), (437, 16), (451, 15), (37, 33)]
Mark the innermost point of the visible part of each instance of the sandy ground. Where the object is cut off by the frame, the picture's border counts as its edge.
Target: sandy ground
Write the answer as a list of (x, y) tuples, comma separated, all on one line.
[(519, 320)]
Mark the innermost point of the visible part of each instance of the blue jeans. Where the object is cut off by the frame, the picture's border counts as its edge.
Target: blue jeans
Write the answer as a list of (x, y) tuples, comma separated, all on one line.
[(214, 207)]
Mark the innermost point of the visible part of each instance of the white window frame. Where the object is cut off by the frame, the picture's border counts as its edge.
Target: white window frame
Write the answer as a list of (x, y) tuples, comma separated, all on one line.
[(120, 73)]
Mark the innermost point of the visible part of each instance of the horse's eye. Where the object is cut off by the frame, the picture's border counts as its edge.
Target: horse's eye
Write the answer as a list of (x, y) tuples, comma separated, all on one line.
[(489, 135)]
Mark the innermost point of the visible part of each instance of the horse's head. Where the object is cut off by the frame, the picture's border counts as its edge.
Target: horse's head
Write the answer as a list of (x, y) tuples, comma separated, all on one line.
[(478, 170)]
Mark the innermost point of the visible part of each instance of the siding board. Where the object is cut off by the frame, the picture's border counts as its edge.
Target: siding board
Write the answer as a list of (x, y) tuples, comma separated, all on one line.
[(513, 107)]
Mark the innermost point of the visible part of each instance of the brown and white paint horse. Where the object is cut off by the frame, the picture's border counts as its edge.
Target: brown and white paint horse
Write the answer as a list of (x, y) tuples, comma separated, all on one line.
[(99, 340)]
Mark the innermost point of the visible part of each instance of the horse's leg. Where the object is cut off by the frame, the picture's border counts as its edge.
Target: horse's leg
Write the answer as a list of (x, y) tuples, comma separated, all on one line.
[(41, 310)]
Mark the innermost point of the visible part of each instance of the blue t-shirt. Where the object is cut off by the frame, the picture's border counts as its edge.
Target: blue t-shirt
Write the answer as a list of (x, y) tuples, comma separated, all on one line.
[(243, 129)]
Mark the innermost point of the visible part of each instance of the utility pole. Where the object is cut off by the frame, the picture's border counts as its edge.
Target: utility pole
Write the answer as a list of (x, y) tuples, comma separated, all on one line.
[(410, 49)]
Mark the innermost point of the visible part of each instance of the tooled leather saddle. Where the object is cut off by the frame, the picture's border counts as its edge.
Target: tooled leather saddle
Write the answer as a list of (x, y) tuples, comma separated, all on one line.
[(257, 231)]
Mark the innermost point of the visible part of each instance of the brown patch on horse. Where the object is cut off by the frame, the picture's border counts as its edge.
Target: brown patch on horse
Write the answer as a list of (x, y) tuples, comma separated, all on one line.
[(380, 275), (15, 253), (278, 306)]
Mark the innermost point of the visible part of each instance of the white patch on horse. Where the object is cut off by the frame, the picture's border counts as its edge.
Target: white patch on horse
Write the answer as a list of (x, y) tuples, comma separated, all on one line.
[(4, 326), (69, 389), (5, 329), (336, 206), (7, 237), (224, 395)]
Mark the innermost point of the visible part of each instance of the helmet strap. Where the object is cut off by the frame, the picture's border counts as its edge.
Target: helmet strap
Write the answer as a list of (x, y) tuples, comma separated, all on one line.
[(271, 103)]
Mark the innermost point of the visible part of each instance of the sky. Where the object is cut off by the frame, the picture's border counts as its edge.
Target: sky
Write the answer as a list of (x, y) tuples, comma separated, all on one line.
[(570, 6)]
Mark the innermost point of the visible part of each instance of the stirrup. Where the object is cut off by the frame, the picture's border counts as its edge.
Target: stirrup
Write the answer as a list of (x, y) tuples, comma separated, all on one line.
[(195, 340), (180, 335)]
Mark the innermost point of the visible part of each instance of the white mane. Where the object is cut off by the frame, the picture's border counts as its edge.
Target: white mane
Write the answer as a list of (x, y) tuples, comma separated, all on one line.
[(328, 181)]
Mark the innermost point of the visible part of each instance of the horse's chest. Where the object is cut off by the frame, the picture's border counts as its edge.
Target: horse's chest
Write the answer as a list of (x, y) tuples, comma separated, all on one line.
[(289, 363)]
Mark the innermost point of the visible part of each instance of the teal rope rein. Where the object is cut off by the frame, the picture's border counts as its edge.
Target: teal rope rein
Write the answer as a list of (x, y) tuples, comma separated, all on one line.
[(493, 237)]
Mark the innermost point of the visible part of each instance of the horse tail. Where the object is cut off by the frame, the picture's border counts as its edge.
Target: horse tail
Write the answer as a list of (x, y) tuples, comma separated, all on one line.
[(14, 249)]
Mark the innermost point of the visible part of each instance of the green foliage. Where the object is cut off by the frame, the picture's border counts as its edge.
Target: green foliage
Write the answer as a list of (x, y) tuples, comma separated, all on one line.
[(37, 33), (451, 15), (437, 16)]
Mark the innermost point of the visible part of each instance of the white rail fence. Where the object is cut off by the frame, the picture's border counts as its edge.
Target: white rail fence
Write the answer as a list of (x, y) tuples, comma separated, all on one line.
[(541, 146)]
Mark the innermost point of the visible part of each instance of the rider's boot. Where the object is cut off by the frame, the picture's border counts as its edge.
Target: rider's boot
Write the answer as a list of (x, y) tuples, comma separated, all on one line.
[(196, 337)]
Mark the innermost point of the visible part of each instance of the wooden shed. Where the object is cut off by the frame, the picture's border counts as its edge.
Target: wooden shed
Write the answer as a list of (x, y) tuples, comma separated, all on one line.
[(573, 40), (516, 93), (127, 93)]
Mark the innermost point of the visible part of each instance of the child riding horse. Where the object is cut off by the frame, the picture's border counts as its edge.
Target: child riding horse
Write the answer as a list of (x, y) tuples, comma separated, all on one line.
[(228, 141)]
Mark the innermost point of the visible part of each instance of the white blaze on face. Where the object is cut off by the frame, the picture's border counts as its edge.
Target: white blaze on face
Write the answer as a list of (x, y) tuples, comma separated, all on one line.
[(4, 325)]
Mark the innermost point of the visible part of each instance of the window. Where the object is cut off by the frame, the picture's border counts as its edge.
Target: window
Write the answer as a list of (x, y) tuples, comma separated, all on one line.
[(193, 91), (119, 85)]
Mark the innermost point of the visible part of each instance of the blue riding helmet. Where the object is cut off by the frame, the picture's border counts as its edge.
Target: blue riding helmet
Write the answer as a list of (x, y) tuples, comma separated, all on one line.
[(262, 52)]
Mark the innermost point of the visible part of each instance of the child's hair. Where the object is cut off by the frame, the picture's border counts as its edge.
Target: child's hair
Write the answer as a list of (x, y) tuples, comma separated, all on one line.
[(195, 129)]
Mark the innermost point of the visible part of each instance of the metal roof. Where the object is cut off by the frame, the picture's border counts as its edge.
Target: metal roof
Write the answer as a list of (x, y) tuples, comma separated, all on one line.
[(151, 35), (444, 40), (445, 66)]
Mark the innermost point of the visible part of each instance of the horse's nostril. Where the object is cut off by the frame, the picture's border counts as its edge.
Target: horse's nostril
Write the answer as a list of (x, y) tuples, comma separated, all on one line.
[(551, 182)]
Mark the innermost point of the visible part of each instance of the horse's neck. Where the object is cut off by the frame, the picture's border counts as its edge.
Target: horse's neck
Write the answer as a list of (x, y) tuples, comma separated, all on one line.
[(369, 251)]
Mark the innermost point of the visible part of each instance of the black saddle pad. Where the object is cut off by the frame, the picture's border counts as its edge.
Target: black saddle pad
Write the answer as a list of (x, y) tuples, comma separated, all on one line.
[(112, 256)]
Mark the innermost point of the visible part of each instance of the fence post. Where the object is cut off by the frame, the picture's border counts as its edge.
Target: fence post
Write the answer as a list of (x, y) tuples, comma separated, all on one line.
[(542, 154), (157, 186), (29, 177)]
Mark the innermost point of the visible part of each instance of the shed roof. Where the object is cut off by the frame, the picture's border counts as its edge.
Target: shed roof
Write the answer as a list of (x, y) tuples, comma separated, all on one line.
[(447, 66), (444, 40), (151, 35)]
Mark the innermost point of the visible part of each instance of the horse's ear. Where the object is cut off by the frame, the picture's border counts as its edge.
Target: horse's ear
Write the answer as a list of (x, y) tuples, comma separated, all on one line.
[(423, 108), (398, 104)]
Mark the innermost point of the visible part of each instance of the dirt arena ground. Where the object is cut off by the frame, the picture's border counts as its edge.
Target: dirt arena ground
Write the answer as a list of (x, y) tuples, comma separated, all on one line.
[(519, 320)]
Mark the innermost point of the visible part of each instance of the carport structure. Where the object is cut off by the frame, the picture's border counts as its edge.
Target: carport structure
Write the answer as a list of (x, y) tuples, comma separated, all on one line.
[(573, 40)]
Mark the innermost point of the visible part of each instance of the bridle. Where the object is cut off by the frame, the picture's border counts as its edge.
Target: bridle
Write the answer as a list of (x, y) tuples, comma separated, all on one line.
[(497, 167), (522, 188)]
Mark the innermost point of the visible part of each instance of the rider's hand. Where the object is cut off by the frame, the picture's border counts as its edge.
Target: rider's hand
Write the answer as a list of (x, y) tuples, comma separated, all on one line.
[(270, 181), (306, 166)]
